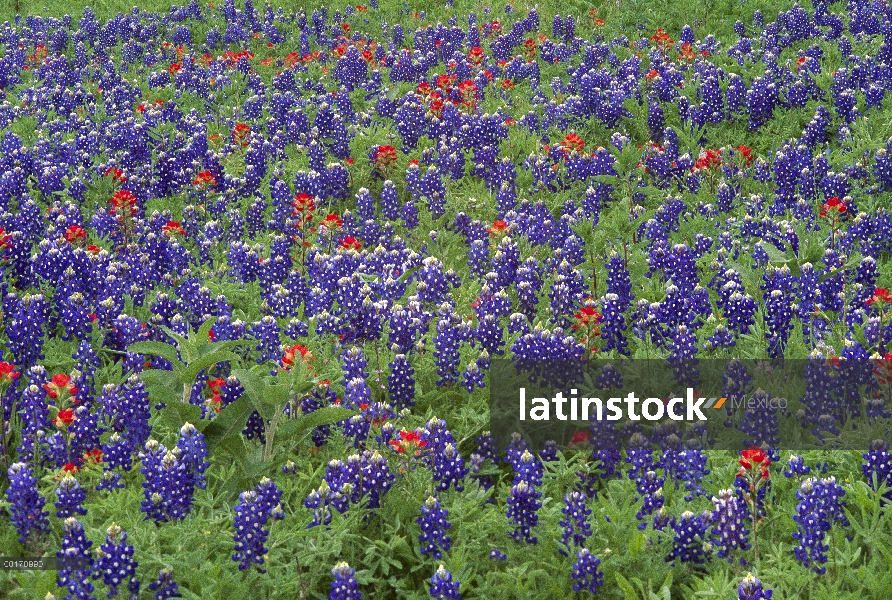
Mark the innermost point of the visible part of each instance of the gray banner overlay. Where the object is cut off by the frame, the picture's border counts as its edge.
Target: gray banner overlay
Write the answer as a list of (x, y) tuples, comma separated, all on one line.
[(707, 404)]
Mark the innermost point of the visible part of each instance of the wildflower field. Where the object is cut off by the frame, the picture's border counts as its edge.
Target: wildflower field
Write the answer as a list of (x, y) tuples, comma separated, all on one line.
[(257, 265)]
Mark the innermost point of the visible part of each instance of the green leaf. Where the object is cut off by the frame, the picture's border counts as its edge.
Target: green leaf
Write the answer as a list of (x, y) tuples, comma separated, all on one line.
[(636, 545), (215, 346), (159, 378), (626, 587), (230, 421), (254, 386), (203, 362), (188, 350), (296, 428), (611, 179), (202, 336), (274, 397), (157, 349), (176, 414)]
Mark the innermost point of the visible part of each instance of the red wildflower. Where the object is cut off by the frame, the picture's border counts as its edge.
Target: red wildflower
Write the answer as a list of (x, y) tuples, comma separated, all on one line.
[(291, 354), (64, 418), (7, 372), (60, 383), (350, 243), (498, 228), (880, 295), (116, 174), (240, 134), (833, 206), (303, 202), (70, 468), (205, 179), (173, 227), (384, 156), (573, 142), (587, 315), (580, 438), (746, 152), (332, 222), (409, 442), (754, 458), (75, 233), (123, 199), (94, 456)]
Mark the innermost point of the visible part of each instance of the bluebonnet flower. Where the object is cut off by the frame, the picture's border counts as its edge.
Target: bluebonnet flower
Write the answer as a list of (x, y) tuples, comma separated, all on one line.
[(750, 588), (796, 466), (401, 382), (496, 554), (26, 508), (76, 548), (251, 516), (877, 466), (819, 507), (689, 543), (575, 522), (523, 505), (343, 585), (446, 463), (115, 563), (442, 587), (70, 497), (194, 451), (759, 421), (528, 468), (586, 575), (165, 587), (377, 477), (168, 486), (433, 528), (728, 520)]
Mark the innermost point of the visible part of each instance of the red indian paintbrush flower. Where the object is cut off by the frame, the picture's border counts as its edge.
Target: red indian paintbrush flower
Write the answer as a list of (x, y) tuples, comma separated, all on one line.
[(64, 418), (384, 156), (75, 233), (573, 142), (173, 227), (833, 206), (409, 442), (754, 459), (290, 356), (303, 203), (879, 295), (205, 179), (7, 372), (60, 383), (350, 243)]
